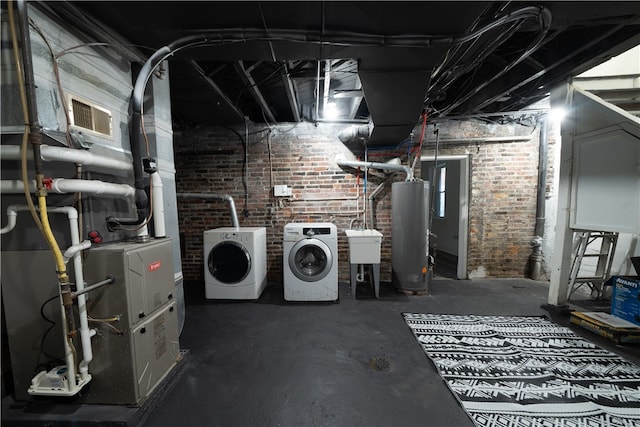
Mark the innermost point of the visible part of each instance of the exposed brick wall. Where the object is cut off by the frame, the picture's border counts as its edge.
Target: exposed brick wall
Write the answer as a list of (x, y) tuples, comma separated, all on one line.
[(502, 203), (303, 156)]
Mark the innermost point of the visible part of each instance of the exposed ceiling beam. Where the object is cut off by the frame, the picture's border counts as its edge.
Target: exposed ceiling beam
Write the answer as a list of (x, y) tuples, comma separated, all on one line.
[(216, 88), (250, 84), (327, 83), (291, 93)]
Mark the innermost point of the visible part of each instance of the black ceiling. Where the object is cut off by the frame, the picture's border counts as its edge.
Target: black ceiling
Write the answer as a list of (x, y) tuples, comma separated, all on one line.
[(380, 61)]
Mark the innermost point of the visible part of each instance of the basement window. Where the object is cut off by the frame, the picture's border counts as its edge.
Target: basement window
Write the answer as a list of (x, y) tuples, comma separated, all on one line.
[(89, 116), (440, 189)]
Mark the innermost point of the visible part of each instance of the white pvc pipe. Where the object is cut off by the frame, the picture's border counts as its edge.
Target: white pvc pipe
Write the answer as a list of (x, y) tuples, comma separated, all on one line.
[(85, 337), (75, 252), (69, 155), (64, 186), (73, 249), (11, 220), (158, 205)]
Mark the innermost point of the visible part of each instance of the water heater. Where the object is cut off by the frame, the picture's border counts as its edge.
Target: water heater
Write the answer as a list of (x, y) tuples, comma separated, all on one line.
[(410, 236)]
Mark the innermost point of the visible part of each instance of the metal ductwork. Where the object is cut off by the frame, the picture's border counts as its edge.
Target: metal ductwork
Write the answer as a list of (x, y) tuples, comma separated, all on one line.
[(390, 167), (355, 133), (395, 100)]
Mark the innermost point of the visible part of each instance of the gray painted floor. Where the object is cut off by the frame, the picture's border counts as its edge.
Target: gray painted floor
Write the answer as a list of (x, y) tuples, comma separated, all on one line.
[(273, 363)]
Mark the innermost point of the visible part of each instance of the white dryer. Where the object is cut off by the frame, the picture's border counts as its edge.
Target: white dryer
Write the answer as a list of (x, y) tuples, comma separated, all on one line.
[(310, 262), (235, 262)]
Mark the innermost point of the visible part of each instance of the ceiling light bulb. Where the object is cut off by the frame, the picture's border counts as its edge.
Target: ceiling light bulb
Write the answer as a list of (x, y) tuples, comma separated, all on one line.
[(331, 111), (557, 114)]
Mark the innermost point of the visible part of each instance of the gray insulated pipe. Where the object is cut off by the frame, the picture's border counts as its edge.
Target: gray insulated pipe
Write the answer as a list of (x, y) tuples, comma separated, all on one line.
[(211, 196), (355, 133), (383, 166), (535, 259), (135, 121)]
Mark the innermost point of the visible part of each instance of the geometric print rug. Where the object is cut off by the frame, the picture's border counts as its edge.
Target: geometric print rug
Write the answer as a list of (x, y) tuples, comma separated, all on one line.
[(514, 371)]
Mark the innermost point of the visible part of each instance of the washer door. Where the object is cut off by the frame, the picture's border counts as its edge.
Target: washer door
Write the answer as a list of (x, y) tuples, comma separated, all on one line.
[(310, 260), (229, 262)]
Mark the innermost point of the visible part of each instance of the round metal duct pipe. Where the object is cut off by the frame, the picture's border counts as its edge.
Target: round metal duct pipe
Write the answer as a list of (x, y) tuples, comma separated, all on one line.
[(355, 132)]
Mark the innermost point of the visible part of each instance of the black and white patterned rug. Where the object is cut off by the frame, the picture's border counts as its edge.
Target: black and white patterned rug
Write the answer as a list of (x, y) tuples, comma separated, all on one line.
[(510, 371)]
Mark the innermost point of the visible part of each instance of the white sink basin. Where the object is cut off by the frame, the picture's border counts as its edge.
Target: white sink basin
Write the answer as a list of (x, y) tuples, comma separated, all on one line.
[(364, 246)]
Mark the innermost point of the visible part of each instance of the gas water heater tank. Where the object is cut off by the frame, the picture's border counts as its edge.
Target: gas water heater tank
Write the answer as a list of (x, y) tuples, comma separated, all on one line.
[(410, 236)]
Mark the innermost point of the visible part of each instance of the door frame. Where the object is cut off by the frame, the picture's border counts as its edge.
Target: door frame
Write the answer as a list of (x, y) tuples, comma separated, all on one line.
[(463, 220)]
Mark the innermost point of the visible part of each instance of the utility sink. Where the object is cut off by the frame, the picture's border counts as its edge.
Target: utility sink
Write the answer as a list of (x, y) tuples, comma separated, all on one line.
[(364, 246)]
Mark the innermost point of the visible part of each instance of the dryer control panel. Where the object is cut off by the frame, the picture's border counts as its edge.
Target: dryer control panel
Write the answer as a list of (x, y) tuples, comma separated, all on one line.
[(238, 237)]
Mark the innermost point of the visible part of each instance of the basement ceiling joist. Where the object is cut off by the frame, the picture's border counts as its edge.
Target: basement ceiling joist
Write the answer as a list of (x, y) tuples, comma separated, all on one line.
[(448, 58)]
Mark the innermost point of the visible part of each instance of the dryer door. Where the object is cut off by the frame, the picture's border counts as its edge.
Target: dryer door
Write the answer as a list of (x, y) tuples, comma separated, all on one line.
[(229, 262), (310, 260)]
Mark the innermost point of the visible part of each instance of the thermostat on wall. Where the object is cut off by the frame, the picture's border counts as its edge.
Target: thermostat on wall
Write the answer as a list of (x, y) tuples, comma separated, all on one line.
[(282, 191)]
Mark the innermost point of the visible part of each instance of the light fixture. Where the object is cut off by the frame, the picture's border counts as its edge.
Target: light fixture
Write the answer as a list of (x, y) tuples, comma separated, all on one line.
[(557, 114), (331, 111)]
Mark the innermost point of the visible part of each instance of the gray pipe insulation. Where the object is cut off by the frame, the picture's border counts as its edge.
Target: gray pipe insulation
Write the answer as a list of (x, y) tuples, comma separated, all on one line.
[(535, 259), (135, 119), (373, 165), (211, 196), (353, 133)]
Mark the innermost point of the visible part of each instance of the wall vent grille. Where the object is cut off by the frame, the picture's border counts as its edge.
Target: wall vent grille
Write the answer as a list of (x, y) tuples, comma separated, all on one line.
[(91, 117)]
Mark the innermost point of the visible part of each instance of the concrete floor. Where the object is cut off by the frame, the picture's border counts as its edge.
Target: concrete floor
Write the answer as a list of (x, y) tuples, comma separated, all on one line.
[(273, 363)]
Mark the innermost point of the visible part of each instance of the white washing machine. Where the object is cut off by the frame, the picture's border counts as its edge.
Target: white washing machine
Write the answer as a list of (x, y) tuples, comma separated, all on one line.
[(310, 258), (235, 262)]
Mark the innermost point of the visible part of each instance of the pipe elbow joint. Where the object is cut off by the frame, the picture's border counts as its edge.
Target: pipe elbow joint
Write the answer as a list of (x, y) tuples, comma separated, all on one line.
[(142, 201)]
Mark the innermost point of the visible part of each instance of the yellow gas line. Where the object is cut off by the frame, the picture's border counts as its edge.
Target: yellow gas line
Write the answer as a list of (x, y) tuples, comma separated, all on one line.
[(51, 241)]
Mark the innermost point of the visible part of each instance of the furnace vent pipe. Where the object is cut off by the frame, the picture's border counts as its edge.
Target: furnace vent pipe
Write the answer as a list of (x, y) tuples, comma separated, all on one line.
[(69, 155), (211, 196), (383, 166), (157, 201), (65, 186)]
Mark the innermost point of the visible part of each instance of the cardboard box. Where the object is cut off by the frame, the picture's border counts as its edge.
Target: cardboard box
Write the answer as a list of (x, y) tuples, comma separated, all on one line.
[(611, 327), (625, 299)]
